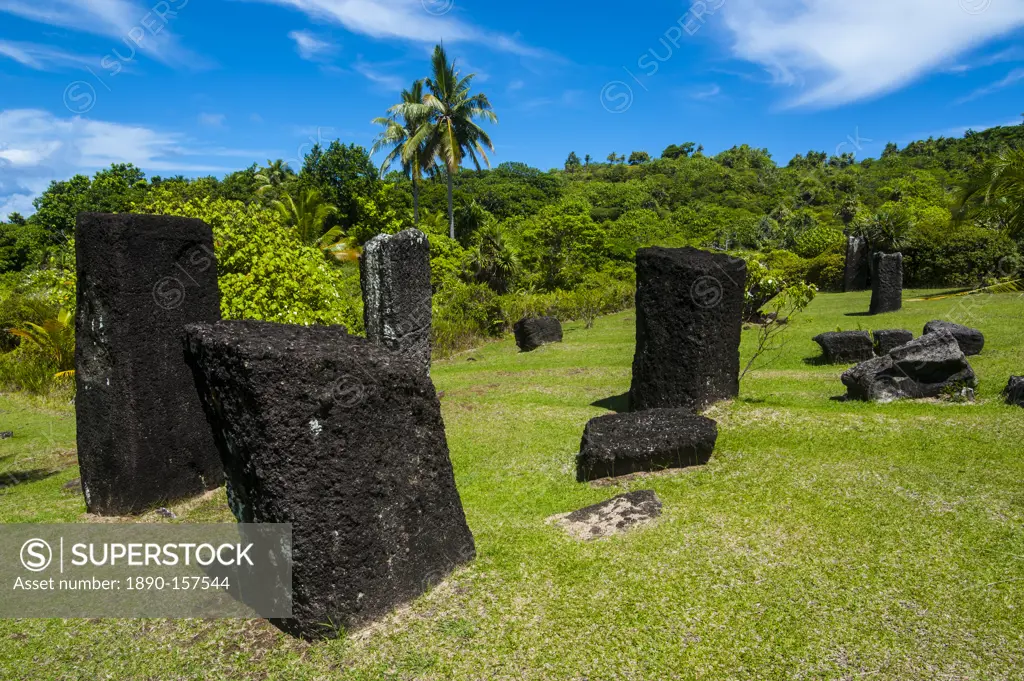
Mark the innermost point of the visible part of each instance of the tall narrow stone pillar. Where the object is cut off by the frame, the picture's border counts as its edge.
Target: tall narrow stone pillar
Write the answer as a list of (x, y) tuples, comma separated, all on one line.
[(887, 283)]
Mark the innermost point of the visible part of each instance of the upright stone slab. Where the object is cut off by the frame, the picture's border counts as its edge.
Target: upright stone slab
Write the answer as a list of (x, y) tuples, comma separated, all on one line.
[(689, 306), (344, 440), (142, 437), (887, 283), (855, 277), (395, 276)]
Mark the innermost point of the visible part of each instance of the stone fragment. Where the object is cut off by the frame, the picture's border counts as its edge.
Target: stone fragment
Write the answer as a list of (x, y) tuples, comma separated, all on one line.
[(971, 341), (533, 332), (855, 276), (689, 307), (1014, 391), (395, 277), (611, 517), (845, 347), (925, 367), (344, 440), (142, 437), (887, 283), (6, 435), (890, 339), (651, 440)]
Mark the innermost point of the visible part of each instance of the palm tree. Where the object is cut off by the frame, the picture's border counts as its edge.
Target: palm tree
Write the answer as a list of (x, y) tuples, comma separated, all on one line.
[(55, 338), (273, 176), (449, 130), (493, 262), (308, 217), (397, 134), (996, 189)]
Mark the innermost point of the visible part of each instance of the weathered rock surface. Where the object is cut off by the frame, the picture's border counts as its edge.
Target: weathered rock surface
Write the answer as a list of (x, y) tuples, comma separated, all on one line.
[(855, 276), (652, 440), (395, 276), (689, 307), (611, 517), (344, 440), (1015, 391), (845, 347), (922, 368), (142, 437), (533, 332), (887, 340), (887, 283), (971, 341)]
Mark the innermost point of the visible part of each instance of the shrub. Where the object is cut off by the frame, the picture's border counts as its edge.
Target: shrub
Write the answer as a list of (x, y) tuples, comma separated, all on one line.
[(962, 256), (818, 240), (826, 272)]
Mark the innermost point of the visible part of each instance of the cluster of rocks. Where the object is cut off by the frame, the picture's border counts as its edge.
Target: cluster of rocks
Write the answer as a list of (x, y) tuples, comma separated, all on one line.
[(340, 436), (847, 347)]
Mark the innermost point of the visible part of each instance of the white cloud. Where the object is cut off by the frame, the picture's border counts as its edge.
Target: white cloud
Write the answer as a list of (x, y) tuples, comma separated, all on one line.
[(405, 20), (310, 47), (1012, 78), (41, 57), (38, 147), (133, 26), (849, 50), (709, 92), (375, 74)]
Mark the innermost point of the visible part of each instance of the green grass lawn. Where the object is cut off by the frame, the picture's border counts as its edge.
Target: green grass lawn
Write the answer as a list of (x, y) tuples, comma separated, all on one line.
[(825, 540)]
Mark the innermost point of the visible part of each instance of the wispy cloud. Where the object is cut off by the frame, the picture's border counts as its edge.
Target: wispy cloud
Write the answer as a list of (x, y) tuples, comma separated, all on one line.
[(379, 74), (133, 25), (41, 57), (840, 51), (1012, 78), (312, 48), (709, 92), (1010, 54), (212, 120), (406, 20)]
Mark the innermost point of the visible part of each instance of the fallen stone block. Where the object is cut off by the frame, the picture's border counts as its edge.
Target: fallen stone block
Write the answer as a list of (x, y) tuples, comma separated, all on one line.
[(343, 439), (143, 439), (651, 440), (845, 347), (925, 367), (394, 274), (533, 332), (689, 308), (890, 339), (1014, 391), (608, 518), (971, 341), (887, 283)]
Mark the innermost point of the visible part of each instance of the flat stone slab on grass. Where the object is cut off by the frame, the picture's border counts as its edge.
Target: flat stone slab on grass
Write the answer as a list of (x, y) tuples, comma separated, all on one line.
[(653, 440), (533, 332), (845, 347), (1015, 391), (343, 439), (611, 517), (887, 340), (971, 341), (689, 318), (922, 368), (143, 440)]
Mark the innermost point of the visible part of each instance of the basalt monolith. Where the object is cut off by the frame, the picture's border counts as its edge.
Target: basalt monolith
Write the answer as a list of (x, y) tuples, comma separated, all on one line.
[(856, 274), (395, 276), (533, 332), (343, 439), (142, 437), (887, 283), (689, 306)]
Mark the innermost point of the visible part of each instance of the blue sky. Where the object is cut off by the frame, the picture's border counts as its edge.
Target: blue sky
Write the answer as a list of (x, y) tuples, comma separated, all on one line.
[(209, 86)]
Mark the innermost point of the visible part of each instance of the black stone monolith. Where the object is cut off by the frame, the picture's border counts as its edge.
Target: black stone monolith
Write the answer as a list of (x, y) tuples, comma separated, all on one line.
[(689, 306), (142, 437), (887, 283), (533, 332), (344, 440), (856, 274)]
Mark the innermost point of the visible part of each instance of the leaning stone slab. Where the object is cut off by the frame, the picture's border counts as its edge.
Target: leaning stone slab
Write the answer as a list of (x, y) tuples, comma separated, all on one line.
[(855, 276), (142, 437), (652, 440), (887, 340), (689, 308), (887, 283), (395, 277), (971, 341), (845, 347), (533, 332), (344, 440), (925, 367), (1015, 391), (615, 516)]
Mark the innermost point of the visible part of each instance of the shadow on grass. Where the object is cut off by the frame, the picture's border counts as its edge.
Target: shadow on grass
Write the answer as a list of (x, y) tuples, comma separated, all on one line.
[(14, 478), (818, 361), (617, 403), (859, 314)]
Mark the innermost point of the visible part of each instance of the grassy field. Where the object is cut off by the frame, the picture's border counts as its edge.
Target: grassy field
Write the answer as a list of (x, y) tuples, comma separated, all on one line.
[(825, 539)]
